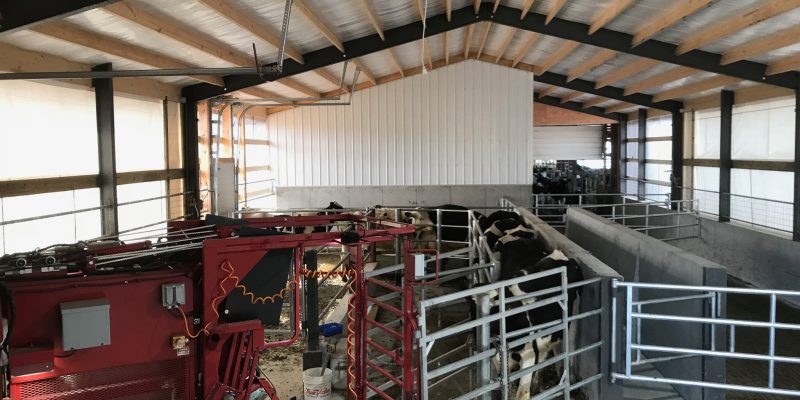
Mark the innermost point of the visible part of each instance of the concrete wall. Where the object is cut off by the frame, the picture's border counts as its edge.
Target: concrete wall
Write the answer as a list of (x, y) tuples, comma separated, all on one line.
[(757, 258), (640, 258), (363, 196), (592, 297)]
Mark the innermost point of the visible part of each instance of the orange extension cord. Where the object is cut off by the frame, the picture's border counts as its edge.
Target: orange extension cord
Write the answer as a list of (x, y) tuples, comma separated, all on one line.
[(228, 267)]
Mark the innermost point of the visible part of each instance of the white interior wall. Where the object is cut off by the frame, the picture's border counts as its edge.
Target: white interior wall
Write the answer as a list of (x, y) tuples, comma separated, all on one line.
[(466, 124), (583, 142)]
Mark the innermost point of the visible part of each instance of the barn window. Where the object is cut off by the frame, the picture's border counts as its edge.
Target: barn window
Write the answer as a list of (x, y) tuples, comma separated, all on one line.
[(706, 134)]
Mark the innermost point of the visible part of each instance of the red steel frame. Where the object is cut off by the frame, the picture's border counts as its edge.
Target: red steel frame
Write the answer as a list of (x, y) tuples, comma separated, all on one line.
[(228, 352)]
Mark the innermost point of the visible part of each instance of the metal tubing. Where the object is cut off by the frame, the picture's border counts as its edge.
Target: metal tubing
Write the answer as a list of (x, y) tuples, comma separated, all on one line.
[(628, 319), (772, 316), (724, 354), (718, 321), (723, 386), (642, 285)]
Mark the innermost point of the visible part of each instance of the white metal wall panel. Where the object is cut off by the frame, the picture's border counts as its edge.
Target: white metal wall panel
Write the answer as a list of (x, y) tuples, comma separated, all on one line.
[(468, 123), (568, 142)]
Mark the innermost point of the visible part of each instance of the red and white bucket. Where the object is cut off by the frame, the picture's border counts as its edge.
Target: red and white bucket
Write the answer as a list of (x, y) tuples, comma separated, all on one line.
[(316, 386)]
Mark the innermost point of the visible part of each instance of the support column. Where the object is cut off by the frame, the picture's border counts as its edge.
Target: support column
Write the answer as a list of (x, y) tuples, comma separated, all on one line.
[(676, 178), (107, 176), (191, 160), (616, 160), (623, 154), (642, 150), (725, 163), (796, 230)]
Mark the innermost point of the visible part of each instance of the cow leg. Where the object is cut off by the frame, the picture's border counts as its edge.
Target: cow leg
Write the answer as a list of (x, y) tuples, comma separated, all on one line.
[(544, 346), (528, 356)]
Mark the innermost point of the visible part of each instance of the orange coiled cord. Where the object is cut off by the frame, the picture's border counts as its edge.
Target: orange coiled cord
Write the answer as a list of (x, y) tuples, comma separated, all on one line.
[(351, 319), (227, 267)]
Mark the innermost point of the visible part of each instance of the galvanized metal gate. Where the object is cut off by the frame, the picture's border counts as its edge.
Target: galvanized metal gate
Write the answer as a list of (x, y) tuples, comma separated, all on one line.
[(644, 303)]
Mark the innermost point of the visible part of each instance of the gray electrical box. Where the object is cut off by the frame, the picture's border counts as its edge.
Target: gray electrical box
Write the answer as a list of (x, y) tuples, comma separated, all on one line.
[(173, 295), (85, 324)]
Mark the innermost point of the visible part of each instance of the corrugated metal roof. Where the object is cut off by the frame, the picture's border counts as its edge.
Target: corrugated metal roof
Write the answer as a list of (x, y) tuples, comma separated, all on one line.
[(349, 20)]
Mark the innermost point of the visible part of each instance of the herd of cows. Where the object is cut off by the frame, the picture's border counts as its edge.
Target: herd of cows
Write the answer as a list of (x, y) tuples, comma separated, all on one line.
[(521, 252)]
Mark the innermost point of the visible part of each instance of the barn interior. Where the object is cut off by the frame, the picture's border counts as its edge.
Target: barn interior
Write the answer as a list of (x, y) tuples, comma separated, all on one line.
[(399, 199)]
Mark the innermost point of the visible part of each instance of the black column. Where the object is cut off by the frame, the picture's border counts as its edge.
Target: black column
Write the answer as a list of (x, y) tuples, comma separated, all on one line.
[(191, 161), (312, 357), (107, 177), (642, 150), (796, 235), (676, 178), (623, 154), (725, 163), (615, 178)]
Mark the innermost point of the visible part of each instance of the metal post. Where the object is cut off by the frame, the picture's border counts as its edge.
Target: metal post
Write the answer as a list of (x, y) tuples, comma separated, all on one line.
[(677, 157), (566, 336), (409, 319), (504, 348), (398, 241), (312, 357), (642, 121), (439, 230), (423, 352), (628, 333), (483, 339), (107, 177), (796, 206), (725, 163), (772, 311), (647, 217), (623, 154)]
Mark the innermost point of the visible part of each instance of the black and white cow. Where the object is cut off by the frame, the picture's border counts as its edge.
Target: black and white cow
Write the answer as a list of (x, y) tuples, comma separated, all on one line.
[(537, 351), (490, 219)]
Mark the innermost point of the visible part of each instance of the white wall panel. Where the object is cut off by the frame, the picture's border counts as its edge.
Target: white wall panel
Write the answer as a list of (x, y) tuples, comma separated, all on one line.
[(469, 123), (568, 142)]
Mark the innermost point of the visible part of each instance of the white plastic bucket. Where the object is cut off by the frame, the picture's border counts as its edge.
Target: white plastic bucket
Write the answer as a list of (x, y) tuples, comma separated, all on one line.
[(316, 387), (339, 368)]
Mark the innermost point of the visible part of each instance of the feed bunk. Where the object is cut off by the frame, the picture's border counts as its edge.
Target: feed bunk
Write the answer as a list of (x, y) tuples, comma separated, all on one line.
[(179, 317)]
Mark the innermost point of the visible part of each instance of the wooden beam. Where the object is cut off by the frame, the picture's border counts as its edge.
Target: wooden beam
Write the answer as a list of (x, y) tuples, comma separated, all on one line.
[(446, 48), (608, 14), (184, 34), (505, 44), (496, 4), (296, 85), (373, 18), (24, 187), (548, 91), (570, 97), (660, 79), (559, 55), (476, 5), (426, 50), (785, 64), (763, 44), (16, 59), (555, 7), (324, 74), (244, 20), (420, 11), (662, 21), (591, 63), (468, 40), (525, 8), (532, 38), (448, 9), (741, 20), (396, 62), (364, 70), (626, 71), (620, 107), (595, 101), (483, 38), (72, 33), (697, 87), (318, 23)]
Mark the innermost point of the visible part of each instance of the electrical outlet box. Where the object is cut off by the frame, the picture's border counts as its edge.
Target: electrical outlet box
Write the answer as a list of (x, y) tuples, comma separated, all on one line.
[(419, 265), (173, 295), (85, 324)]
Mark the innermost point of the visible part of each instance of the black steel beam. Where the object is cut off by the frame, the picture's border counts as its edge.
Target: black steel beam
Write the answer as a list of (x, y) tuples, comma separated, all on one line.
[(107, 176), (191, 160), (725, 161), (354, 48), (676, 177), (17, 15), (642, 156), (655, 49), (796, 230), (575, 106), (644, 100)]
